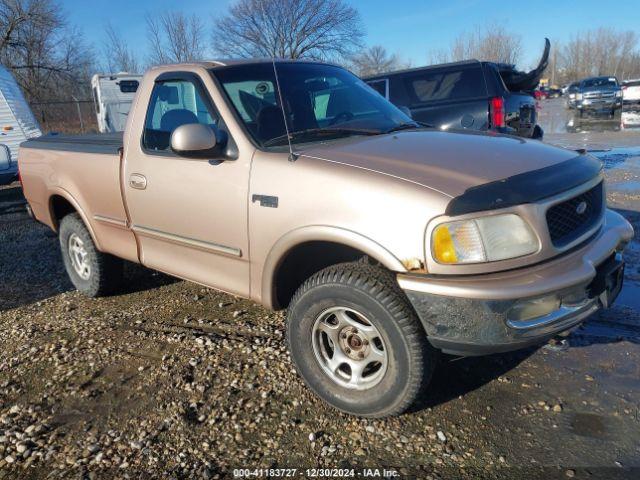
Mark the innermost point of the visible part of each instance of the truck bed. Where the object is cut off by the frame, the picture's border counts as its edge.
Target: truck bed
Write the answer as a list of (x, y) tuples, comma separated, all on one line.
[(81, 173), (101, 143)]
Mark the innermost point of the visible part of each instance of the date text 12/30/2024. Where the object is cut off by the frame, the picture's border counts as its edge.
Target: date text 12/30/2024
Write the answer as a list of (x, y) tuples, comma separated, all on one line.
[(315, 473)]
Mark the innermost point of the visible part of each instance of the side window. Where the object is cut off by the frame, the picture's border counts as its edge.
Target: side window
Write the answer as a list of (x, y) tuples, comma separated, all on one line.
[(128, 86), (173, 104), (249, 97), (380, 86), (446, 85)]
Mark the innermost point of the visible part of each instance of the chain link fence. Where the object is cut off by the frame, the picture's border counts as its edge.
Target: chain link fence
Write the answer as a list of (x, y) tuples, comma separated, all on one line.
[(73, 116)]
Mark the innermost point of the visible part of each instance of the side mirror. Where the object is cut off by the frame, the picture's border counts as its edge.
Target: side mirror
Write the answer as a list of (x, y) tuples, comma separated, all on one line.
[(404, 109), (5, 157), (195, 140)]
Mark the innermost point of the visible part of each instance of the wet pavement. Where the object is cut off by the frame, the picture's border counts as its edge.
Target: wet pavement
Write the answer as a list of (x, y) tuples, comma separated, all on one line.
[(567, 128)]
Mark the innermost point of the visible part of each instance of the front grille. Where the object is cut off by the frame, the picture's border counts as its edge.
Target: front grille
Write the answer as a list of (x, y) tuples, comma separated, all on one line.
[(571, 219), (591, 95)]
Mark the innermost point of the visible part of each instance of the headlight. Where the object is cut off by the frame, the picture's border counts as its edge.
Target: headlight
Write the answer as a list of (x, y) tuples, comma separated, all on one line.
[(578, 96), (484, 239), (618, 93)]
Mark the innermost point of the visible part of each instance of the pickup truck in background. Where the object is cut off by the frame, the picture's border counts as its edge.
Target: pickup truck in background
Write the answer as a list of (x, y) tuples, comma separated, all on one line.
[(472, 94), (296, 185), (598, 95)]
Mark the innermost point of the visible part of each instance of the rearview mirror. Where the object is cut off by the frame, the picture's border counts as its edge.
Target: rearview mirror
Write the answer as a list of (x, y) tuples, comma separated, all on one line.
[(196, 140), (5, 157)]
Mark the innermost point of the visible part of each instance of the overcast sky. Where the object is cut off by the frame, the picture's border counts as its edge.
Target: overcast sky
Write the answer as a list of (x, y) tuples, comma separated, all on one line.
[(411, 28)]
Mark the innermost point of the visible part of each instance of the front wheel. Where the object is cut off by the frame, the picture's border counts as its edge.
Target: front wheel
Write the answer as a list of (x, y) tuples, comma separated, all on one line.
[(92, 272), (357, 342)]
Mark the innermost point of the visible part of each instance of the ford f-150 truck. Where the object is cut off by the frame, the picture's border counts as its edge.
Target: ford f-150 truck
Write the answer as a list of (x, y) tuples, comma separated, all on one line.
[(296, 185)]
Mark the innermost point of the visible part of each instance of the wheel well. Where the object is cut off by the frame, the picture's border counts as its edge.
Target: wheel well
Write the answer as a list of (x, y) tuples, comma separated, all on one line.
[(60, 207), (303, 261)]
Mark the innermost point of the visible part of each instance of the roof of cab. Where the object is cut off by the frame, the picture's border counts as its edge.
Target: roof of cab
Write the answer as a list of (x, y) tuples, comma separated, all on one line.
[(217, 63), (426, 67)]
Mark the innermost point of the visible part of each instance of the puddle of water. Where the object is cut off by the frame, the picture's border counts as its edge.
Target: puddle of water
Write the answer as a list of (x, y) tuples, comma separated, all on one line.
[(629, 296), (588, 425), (632, 186), (616, 157)]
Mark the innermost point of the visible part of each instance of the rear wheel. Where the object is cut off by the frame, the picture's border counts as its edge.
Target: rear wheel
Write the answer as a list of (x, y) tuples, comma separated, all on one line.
[(356, 341), (92, 272)]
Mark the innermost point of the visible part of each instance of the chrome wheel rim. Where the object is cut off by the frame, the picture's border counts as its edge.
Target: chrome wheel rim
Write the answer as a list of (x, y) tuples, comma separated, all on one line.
[(79, 257), (349, 348)]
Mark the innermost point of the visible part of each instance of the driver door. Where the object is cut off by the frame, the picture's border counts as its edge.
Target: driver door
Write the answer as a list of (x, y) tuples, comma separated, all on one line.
[(189, 216)]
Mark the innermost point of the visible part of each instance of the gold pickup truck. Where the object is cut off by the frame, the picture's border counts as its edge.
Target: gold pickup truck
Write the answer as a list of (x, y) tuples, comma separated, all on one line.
[(297, 185)]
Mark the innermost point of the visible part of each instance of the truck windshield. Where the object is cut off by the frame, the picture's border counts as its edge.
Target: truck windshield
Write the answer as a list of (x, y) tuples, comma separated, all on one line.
[(600, 82), (321, 102)]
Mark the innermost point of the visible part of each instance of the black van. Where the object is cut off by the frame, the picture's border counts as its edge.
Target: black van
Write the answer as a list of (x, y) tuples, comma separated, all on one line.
[(471, 94)]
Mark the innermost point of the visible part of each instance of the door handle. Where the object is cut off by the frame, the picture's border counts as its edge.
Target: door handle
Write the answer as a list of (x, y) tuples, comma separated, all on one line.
[(138, 181)]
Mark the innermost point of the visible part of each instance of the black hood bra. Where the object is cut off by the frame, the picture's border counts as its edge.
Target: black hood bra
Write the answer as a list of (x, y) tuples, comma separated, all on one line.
[(527, 187)]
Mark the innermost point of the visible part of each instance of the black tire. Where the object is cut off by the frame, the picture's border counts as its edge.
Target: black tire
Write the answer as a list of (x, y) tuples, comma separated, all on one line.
[(105, 271), (374, 292), (538, 133)]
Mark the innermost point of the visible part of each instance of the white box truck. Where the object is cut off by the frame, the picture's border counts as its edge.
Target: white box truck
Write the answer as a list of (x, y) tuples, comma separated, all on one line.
[(112, 96)]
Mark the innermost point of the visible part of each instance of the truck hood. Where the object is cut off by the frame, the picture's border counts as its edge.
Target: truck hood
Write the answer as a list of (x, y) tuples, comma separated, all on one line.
[(449, 162)]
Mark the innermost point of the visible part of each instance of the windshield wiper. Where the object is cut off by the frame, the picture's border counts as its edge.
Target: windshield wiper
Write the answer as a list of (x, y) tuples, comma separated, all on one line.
[(408, 126), (320, 131)]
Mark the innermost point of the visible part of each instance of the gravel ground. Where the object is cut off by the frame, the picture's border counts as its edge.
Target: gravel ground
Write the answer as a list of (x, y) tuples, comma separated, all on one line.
[(170, 380)]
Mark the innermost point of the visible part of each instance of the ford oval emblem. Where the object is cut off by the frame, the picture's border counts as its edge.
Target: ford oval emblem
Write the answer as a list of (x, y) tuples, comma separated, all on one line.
[(581, 208)]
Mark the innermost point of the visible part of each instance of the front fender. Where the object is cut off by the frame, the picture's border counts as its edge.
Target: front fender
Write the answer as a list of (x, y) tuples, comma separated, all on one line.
[(321, 233)]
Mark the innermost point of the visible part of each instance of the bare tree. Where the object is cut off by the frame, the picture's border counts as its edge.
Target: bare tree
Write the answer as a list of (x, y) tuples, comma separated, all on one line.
[(376, 59), (491, 43), (603, 51), (321, 29), (118, 56), (175, 37), (48, 58)]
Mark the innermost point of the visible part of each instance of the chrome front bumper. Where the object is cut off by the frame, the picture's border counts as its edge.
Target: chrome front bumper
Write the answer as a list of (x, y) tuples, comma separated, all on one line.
[(473, 315), (557, 318)]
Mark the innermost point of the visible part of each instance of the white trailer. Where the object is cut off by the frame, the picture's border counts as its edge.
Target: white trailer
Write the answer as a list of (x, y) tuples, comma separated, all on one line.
[(112, 96), (17, 124)]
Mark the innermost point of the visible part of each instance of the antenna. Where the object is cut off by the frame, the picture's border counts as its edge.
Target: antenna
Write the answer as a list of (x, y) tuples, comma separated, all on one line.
[(292, 156)]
